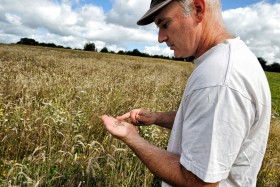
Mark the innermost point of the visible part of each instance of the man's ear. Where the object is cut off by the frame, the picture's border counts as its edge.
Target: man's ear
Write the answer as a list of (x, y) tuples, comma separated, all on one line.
[(200, 7)]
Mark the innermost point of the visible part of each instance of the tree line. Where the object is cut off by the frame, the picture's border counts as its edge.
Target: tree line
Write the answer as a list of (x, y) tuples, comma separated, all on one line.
[(90, 46), (275, 67), (29, 41)]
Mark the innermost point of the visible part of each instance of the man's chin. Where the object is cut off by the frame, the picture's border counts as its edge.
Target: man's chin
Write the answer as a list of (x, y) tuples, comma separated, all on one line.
[(182, 55), (178, 55)]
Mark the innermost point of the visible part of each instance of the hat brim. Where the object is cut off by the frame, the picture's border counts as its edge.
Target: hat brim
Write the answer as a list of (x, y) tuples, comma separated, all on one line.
[(151, 13)]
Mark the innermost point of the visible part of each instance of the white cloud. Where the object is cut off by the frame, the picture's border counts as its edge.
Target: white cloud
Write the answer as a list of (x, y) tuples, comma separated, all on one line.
[(99, 45), (152, 50), (127, 12), (259, 26), (115, 48), (70, 23), (91, 13), (13, 19)]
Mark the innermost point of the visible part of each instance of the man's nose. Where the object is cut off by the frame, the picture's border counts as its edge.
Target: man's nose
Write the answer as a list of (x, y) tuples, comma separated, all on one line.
[(162, 36)]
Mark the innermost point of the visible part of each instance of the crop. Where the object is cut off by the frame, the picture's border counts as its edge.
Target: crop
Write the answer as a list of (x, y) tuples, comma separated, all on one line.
[(270, 171), (50, 103)]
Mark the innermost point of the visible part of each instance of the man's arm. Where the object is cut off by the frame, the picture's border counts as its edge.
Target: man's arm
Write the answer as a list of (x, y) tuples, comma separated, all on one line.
[(141, 117), (165, 119), (160, 162)]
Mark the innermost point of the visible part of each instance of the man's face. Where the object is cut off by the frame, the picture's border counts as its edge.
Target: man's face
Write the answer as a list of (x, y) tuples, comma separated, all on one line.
[(177, 30)]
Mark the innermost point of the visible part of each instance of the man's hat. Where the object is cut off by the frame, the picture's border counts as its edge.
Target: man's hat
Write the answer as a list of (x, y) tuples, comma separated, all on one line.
[(156, 5)]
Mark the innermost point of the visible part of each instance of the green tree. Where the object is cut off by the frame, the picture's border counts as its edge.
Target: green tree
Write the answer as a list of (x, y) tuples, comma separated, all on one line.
[(27, 41), (89, 46), (263, 63), (104, 50), (121, 52), (275, 67)]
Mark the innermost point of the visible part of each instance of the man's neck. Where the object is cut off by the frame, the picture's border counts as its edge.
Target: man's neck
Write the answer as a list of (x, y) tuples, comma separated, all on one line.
[(211, 36)]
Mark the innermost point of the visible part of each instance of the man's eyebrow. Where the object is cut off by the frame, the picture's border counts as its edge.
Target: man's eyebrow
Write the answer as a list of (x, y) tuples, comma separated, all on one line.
[(158, 22)]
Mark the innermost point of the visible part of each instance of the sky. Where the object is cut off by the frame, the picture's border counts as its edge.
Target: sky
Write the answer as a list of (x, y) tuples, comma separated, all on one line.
[(112, 24)]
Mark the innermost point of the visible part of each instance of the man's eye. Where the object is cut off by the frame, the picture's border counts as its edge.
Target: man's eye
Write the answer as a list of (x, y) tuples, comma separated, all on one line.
[(165, 25)]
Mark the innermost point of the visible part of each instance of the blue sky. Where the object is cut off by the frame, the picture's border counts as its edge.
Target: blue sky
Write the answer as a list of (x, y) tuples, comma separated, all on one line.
[(229, 4), (226, 4), (112, 23), (106, 4)]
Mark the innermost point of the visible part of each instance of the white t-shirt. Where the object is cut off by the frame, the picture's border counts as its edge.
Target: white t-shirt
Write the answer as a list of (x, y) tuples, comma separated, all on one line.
[(222, 125)]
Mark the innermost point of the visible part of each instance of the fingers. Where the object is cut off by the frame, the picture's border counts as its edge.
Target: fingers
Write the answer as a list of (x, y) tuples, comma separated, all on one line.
[(108, 120), (142, 112), (132, 115), (123, 117), (119, 129), (136, 116)]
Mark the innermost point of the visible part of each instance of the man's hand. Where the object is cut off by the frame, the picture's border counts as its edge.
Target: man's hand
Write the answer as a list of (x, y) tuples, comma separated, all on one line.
[(119, 129), (164, 164), (139, 117)]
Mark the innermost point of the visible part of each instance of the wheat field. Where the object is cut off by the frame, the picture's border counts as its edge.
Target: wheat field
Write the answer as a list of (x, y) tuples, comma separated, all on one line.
[(50, 103)]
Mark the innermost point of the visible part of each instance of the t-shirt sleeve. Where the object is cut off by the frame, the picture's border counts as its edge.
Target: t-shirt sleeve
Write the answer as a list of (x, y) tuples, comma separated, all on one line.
[(217, 120)]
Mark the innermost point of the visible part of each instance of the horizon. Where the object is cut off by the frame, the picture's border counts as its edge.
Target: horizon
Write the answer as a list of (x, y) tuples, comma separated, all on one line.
[(112, 24)]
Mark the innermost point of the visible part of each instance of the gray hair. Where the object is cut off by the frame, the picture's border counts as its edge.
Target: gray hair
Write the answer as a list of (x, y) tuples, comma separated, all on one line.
[(214, 5)]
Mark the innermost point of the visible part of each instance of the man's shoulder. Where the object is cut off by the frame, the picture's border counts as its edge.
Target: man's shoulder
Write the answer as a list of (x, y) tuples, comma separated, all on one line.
[(231, 64), (211, 68)]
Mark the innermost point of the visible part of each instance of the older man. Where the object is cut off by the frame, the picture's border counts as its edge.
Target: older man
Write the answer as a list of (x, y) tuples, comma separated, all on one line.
[(220, 130)]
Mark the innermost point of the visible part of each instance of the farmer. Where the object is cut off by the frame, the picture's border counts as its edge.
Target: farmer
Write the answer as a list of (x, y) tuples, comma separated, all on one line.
[(219, 132)]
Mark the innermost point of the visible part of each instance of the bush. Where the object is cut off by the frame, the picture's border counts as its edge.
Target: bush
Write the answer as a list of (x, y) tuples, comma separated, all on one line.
[(104, 50), (89, 46)]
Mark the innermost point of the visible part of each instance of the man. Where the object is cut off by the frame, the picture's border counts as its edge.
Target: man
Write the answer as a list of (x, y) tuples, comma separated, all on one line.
[(220, 130)]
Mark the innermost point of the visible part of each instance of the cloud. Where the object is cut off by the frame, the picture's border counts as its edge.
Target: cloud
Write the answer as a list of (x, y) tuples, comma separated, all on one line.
[(58, 22), (259, 26), (159, 50), (127, 12), (71, 23), (65, 25), (13, 19)]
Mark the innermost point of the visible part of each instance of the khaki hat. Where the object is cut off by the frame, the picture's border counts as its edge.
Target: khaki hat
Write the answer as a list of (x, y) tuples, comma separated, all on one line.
[(156, 5)]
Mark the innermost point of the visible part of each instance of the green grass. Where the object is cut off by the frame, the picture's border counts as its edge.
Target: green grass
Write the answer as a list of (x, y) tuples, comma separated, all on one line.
[(270, 171), (50, 103), (274, 83)]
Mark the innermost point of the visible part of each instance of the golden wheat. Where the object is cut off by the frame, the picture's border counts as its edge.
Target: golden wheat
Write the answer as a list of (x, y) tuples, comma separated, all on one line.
[(50, 103)]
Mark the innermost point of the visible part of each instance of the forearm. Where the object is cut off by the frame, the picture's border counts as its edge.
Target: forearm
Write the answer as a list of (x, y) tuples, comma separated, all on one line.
[(164, 164), (161, 163), (165, 119)]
